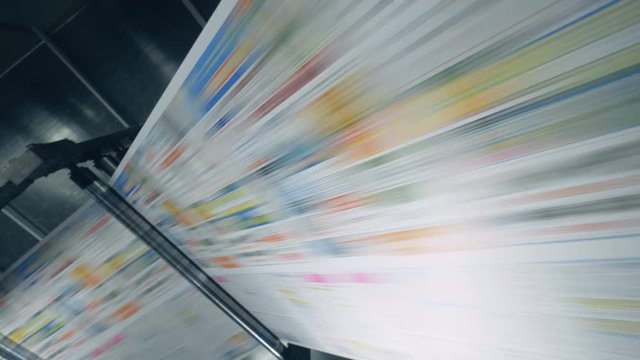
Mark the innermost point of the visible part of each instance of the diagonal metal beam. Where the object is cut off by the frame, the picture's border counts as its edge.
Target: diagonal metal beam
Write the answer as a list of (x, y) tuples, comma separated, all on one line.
[(24, 222), (11, 350), (111, 200), (194, 12)]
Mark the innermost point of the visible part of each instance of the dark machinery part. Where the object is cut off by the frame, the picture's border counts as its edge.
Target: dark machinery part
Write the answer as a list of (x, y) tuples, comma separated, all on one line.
[(41, 160)]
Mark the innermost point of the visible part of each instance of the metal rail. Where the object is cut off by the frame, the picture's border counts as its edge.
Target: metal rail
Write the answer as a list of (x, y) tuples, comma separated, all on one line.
[(111, 200), (43, 159), (24, 222), (11, 350)]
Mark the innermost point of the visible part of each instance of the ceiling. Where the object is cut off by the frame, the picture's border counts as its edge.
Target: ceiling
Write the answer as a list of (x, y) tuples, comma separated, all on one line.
[(128, 50)]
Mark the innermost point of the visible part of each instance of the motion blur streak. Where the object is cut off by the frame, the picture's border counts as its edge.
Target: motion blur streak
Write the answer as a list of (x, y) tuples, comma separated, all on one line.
[(410, 179), (95, 291)]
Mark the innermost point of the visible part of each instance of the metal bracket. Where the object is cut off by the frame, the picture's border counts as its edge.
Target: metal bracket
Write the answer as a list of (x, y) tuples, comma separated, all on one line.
[(40, 160)]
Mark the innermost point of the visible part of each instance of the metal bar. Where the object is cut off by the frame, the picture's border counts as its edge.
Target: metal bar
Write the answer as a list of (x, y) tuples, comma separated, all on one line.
[(115, 158), (106, 165), (107, 197), (195, 13), (74, 69), (24, 222), (11, 350), (113, 163)]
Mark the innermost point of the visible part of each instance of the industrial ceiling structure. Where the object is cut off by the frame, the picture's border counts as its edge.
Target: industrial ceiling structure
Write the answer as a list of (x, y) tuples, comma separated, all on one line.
[(78, 69)]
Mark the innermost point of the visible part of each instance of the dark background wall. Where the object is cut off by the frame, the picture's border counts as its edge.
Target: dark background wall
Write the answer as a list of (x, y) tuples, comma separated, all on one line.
[(128, 49)]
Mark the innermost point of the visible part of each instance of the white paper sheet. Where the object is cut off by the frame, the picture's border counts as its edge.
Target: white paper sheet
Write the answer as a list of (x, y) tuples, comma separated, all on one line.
[(410, 180)]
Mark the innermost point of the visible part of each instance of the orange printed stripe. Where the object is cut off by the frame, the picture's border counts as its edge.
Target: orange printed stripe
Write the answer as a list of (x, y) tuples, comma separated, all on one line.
[(172, 157)]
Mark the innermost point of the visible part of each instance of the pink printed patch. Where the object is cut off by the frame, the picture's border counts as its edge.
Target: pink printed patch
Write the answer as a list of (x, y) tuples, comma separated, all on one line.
[(363, 278), (317, 278), (220, 279), (107, 345)]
